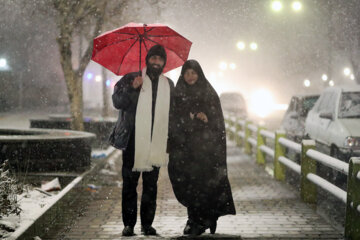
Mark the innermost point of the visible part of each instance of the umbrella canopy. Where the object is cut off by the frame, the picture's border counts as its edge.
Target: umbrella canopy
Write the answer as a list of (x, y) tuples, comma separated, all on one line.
[(124, 50)]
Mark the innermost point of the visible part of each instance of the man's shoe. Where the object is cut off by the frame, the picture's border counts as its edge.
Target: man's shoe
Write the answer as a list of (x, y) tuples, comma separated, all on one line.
[(148, 230), (128, 231)]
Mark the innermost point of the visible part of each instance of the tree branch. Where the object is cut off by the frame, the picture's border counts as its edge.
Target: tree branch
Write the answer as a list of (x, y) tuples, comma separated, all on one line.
[(98, 26)]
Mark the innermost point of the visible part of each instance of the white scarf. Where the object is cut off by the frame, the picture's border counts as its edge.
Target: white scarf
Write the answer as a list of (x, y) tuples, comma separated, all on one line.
[(151, 151)]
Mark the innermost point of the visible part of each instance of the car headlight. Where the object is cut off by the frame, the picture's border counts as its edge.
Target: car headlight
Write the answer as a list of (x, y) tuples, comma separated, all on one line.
[(352, 142)]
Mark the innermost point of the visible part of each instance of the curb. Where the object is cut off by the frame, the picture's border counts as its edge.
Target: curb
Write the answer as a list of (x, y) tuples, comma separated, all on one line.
[(63, 199)]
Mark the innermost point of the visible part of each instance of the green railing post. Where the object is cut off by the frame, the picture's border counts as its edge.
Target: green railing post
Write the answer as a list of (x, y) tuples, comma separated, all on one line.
[(279, 168), (260, 156), (238, 140), (308, 165), (247, 145), (352, 218)]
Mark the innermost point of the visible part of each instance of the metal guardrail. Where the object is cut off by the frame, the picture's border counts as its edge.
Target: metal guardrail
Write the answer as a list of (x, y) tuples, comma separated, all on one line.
[(336, 191), (290, 144), (267, 150), (252, 127), (267, 134), (242, 132), (290, 164), (252, 141), (334, 163)]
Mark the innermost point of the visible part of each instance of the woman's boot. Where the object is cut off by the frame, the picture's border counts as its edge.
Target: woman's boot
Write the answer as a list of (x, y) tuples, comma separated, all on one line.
[(213, 227), (188, 227), (197, 229)]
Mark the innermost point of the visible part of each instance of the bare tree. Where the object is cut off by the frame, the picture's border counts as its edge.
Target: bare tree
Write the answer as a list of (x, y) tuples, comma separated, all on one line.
[(85, 20), (70, 16), (77, 24)]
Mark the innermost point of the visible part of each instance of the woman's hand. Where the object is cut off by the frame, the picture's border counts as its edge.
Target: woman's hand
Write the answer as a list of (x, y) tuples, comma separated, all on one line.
[(192, 115), (202, 116)]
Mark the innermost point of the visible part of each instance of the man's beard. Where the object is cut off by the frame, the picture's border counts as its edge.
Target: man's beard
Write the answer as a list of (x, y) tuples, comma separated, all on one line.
[(153, 70)]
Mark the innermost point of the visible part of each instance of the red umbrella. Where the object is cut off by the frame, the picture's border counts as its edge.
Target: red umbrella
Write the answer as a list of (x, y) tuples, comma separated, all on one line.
[(123, 50)]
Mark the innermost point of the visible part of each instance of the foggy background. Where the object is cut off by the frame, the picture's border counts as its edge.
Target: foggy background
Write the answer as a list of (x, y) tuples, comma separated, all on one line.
[(321, 38)]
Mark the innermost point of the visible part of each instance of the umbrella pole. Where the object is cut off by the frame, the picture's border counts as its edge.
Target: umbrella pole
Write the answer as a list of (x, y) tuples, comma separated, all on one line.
[(140, 55)]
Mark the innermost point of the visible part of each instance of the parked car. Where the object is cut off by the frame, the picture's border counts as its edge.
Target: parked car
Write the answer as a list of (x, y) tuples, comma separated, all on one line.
[(293, 122), (334, 122), (233, 103)]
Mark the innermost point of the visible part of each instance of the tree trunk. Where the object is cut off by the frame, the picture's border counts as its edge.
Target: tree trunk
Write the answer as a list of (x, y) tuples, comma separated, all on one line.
[(72, 79), (76, 106)]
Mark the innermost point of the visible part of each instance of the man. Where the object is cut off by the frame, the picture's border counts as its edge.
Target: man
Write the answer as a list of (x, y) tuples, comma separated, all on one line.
[(141, 132)]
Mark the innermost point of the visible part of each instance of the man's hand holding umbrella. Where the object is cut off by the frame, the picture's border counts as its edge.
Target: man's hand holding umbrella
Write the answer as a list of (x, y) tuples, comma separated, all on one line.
[(138, 81)]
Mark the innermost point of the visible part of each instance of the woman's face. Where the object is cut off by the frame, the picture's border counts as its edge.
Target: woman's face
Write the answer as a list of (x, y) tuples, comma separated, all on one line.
[(190, 76)]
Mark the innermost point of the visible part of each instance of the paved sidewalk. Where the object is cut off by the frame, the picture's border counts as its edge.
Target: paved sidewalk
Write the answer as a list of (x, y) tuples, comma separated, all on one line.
[(266, 209)]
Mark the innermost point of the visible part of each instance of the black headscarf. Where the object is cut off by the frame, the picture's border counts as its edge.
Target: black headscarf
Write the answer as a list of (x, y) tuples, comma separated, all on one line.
[(200, 93)]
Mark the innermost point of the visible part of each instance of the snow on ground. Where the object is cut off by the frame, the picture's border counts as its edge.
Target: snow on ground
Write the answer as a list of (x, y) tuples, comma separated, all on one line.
[(31, 203)]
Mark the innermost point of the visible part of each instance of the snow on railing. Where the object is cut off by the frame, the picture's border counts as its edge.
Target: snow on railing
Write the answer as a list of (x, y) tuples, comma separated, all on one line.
[(267, 150), (241, 134), (290, 144), (334, 163), (290, 164), (252, 141), (233, 119), (331, 188), (242, 122), (357, 208), (267, 134), (278, 154), (252, 127)]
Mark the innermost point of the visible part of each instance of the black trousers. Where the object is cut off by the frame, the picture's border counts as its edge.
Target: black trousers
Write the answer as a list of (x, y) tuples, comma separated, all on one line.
[(129, 193)]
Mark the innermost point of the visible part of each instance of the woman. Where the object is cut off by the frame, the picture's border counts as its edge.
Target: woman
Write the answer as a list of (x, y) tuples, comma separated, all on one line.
[(197, 147)]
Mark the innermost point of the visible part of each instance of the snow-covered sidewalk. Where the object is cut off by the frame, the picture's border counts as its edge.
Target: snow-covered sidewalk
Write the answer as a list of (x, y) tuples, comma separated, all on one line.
[(266, 209)]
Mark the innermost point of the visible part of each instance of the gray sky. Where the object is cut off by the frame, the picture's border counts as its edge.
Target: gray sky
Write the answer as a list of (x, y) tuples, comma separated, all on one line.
[(292, 46)]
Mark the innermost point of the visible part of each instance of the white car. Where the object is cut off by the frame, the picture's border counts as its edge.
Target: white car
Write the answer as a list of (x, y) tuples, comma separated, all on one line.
[(334, 122), (293, 122), (233, 103)]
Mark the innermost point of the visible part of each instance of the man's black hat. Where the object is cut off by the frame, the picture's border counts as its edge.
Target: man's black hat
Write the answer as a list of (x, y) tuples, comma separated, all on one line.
[(156, 50)]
